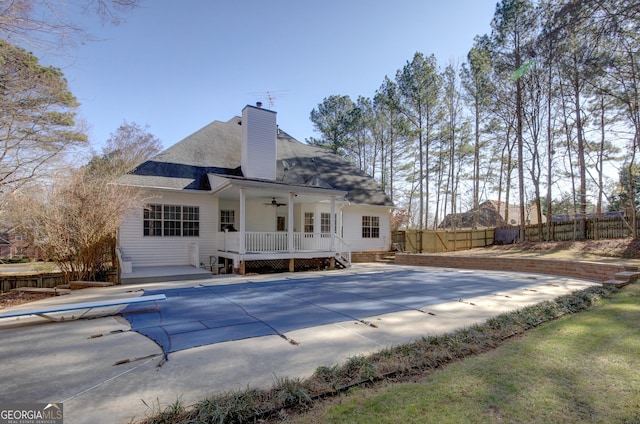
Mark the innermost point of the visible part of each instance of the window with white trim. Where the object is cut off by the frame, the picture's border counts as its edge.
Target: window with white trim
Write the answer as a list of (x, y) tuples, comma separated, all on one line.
[(308, 222), (191, 221), (171, 224), (153, 220), (370, 227), (171, 221), (325, 223), (227, 220)]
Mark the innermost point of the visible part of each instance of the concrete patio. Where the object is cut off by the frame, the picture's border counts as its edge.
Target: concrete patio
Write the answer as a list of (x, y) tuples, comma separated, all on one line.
[(104, 373)]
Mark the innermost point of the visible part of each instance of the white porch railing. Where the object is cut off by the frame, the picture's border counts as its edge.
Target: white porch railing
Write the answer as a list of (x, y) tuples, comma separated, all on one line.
[(343, 250), (266, 242), (278, 242), (228, 242), (312, 242)]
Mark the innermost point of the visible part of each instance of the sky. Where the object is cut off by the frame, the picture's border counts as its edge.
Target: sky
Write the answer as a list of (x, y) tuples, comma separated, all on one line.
[(177, 66)]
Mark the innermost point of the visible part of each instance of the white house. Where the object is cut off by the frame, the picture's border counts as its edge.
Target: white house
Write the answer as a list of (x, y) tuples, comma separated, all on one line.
[(244, 195)]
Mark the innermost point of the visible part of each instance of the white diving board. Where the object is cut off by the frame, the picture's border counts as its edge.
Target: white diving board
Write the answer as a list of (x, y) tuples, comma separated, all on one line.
[(45, 310)]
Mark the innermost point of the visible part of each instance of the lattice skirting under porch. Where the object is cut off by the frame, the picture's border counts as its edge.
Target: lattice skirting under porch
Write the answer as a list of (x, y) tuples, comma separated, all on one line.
[(282, 265)]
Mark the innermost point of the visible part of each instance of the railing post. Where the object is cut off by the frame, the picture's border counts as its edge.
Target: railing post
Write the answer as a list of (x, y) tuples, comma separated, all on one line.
[(290, 241)]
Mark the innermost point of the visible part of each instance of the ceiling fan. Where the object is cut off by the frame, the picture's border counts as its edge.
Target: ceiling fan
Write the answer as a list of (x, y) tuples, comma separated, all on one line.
[(275, 203)]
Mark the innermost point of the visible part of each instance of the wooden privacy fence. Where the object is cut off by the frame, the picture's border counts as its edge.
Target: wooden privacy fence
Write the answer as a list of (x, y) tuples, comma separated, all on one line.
[(41, 280), (35, 279), (595, 229), (434, 241)]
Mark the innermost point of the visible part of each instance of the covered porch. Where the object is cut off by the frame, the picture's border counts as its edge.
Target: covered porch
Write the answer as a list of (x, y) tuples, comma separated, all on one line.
[(266, 246), (263, 221)]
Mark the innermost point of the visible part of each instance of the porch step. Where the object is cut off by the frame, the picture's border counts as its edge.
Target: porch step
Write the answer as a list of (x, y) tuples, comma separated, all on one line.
[(341, 264), (156, 274), (630, 276), (623, 278), (388, 258), (615, 283)]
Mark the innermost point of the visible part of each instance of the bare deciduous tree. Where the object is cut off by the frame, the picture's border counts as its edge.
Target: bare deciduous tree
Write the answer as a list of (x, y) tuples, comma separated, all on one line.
[(54, 23), (73, 220), (128, 146)]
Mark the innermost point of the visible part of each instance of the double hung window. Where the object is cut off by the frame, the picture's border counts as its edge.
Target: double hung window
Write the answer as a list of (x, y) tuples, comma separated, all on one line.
[(227, 220), (370, 227), (171, 221)]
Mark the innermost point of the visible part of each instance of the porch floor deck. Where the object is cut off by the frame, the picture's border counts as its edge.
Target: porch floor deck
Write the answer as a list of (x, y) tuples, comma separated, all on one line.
[(154, 274)]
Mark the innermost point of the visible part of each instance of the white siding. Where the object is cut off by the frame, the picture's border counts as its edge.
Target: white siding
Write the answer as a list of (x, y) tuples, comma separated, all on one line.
[(261, 217), (352, 228), (298, 218), (349, 224), (259, 131), (158, 251)]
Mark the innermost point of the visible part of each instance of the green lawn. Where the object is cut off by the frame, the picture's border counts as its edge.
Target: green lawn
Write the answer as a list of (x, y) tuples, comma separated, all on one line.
[(581, 368)]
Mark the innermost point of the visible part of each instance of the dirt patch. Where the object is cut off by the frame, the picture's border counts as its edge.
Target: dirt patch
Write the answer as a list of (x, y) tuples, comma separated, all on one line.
[(18, 298), (624, 248), (585, 250)]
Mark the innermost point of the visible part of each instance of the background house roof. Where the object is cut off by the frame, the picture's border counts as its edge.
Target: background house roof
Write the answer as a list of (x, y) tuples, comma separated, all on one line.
[(215, 149)]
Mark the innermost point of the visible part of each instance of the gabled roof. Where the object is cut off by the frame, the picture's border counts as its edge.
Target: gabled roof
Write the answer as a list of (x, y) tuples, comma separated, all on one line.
[(215, 149)]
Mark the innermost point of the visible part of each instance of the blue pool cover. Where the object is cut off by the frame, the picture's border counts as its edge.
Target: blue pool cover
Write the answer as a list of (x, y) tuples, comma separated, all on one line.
[(207, 314)]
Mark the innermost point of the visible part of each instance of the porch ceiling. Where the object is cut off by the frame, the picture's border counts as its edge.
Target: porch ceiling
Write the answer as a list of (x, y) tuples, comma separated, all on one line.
[(267, 191)]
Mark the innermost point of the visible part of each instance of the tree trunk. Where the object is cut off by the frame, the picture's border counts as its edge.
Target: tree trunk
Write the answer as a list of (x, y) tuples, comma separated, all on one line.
[(476, 166), (582, 194), (520, 149), (421, 187), (550, 153)]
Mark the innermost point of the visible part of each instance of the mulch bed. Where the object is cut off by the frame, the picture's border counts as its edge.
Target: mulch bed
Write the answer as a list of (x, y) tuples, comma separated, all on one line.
[(18, 298)]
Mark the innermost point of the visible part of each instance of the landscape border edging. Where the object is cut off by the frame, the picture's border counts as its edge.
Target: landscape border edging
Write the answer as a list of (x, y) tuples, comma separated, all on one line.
[(599, 271)]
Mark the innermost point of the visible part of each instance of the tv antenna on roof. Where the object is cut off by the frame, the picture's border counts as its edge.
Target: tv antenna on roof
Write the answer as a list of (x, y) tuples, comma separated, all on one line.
[(269, 97)]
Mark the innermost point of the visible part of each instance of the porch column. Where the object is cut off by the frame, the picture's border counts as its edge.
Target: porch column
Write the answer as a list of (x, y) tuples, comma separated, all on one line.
[(290, 220), (243, 217), (332, 225)]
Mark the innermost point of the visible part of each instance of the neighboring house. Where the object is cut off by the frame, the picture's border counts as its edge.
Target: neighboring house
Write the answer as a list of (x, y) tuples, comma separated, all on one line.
[(245, 194), (5, 247), (13, 245), (492, 213)]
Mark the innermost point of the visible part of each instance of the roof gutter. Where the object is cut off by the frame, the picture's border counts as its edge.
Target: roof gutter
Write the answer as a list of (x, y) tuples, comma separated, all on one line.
[(219, 183)]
